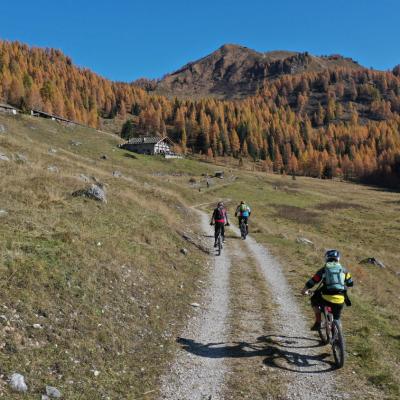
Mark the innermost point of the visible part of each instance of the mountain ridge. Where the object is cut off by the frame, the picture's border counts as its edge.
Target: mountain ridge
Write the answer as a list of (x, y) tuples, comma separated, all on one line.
[(234, 71)]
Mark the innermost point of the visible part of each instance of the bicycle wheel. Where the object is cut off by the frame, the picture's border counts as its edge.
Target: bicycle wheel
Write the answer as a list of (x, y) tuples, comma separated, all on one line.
[(338, 344), (219, 243), (323, 330), (243, 230)]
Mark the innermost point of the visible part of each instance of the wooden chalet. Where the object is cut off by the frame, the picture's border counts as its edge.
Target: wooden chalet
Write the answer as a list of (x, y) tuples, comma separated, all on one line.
[(149, 145), (6, 108)]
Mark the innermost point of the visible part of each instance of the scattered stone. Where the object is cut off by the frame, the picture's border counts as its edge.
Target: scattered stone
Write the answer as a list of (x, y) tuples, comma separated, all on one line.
[(52, 168), (52, 151), (3, 157), (96, 373), (53, 392), (2, 129), (37, 326), (184, 251), (304, 240), (20, 158), (75, 143), (84, 178), (117, 174), (3, 213), (195, 305), (373, 261), (95, 192), (17, 383), (104, 157)]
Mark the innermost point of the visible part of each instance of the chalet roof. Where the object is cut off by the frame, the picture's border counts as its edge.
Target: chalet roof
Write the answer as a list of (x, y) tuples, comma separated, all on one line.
[(3, 105), (148, 140)]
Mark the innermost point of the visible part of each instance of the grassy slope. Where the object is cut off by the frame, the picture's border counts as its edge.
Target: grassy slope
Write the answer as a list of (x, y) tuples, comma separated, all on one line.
[(107, 282), (97, 314)]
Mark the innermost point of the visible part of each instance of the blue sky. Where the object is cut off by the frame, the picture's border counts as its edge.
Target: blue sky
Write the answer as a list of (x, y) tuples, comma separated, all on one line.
[(127, 39)]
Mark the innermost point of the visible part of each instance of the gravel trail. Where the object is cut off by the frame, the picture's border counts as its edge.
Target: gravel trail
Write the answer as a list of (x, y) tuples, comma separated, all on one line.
[(199, 370), (292, 348)]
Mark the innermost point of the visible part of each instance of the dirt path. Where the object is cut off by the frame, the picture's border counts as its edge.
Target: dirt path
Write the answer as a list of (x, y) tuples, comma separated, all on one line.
[(240, 346), (198, 372), (290, 346)]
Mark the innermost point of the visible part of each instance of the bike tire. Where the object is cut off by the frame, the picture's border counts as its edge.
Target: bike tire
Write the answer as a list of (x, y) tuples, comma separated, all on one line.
[(323, 330), (219, 245), (243, 230), (338, 345)]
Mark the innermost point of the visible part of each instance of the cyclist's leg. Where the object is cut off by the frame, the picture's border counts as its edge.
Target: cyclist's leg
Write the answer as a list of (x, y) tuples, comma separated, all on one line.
[(336, 310), (246, 221), (223, 231), (216, 232), (316, 303)]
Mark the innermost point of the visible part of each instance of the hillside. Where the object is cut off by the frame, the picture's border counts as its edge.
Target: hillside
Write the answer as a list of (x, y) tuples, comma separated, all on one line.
[(235, 71), (314, 116), (94, 294)]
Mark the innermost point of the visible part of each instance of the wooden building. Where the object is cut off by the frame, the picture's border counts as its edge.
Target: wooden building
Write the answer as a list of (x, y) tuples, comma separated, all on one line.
[(5, 108), (149, 145)]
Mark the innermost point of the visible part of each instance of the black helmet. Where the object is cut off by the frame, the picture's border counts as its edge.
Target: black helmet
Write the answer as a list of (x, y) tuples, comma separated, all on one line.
[(220, 204), (332, 255)]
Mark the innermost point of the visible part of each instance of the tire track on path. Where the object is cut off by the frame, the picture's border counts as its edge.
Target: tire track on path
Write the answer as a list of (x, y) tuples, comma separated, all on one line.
[(199, 370), (291, 348)]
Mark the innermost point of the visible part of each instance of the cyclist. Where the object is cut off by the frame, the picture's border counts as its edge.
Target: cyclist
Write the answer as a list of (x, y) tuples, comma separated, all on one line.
[(243, 212), (334, 280), (220, 218)]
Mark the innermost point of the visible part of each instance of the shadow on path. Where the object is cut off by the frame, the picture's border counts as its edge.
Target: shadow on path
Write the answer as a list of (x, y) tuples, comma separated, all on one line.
[(274, 348)]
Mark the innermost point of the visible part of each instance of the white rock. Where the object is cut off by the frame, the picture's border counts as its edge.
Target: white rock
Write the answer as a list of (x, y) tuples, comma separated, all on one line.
[(195, 304), (37, 326), (3, 213), (3, 157), (304, 240), (53, 392), (52, 168), (17, 383), (96, 373)]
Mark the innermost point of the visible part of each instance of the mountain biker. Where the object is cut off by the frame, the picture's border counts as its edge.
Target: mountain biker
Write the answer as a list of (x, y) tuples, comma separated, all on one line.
[(243, 212), (334, 280), (220, 218)]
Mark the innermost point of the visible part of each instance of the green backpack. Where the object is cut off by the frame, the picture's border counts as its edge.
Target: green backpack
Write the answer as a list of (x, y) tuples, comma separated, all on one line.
[(334, 276)]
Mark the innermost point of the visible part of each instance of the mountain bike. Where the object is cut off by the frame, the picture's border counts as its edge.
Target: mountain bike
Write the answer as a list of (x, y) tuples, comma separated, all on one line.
[(330, 332), (243, 229), (219, 242)]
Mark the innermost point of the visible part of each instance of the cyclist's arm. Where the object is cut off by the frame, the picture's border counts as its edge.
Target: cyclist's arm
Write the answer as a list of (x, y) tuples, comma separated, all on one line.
[(226, 217), (212, 217), (348, 280), (315, 279)]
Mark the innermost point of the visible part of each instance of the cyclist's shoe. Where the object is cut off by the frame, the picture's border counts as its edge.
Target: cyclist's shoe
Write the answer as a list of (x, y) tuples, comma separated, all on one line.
[(316, 326), (223, 240), (215, 244)]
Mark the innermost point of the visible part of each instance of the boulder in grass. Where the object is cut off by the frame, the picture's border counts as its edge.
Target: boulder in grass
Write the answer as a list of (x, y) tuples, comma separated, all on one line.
[(117, 174), (304, 240), (20, 158), (373, 261), (17, 383), (3, 157), (3, 213), (94, 192), (53, 392), (2, 129), (52, 168)]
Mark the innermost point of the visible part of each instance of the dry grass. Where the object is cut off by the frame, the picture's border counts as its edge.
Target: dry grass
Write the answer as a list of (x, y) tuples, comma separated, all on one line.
[(106, 282), (296, 214)]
